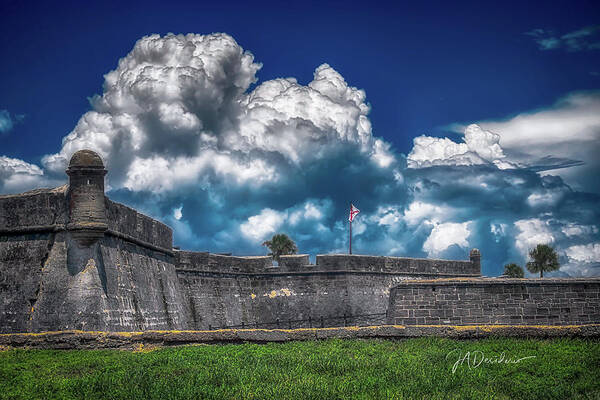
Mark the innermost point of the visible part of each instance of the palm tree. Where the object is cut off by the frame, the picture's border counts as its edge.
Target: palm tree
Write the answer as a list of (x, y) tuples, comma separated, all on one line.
[(544, 259), (513, 271), (280, 244)]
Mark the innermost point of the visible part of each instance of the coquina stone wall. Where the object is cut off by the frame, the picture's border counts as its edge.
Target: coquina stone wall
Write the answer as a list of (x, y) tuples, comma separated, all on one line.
[(131, 224), (72, 259), (39, 210), (496, 301), (204, 261), (226, 291), (49, 281), (46, 210), (398, 264), (22, 258), (130, 278), (259, 300)]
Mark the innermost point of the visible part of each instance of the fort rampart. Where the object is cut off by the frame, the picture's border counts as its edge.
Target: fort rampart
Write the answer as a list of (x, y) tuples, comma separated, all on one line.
[(549, 301), (131, 278), (70, 258)]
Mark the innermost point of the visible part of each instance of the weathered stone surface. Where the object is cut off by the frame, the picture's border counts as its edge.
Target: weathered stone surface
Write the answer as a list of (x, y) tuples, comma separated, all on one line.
[(70, 258), (397, 264), (50, 282), (296, 260), (85, 196), (129, 222), (220, 299), (204, 261), (41, 207), (142, 288), (85, 159), (137, 340), (22, 258), (496, 301)]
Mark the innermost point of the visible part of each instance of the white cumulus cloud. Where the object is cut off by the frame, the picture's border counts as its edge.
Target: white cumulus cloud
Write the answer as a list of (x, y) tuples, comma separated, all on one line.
[(17, 175), (418, 212), (259, 227), (545, 198), (163, 108), (310, 210), (567, 134), (177, 111), (570, 229), (583, 260), (480, 147), (177, 213), (532, 232), (445, 235), (588, 253)]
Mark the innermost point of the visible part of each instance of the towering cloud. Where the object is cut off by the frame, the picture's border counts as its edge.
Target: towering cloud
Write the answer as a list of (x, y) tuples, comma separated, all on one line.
[(187, 139), (176, 110)]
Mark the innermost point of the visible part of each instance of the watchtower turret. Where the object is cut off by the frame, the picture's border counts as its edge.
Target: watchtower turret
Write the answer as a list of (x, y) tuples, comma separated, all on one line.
[(87, 211), (475, 257)]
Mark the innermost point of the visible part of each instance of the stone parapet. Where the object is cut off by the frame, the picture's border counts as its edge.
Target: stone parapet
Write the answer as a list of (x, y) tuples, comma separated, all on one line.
[(397, 264), (547, 301), (204, 261), (295, 260), (132, 224), (34, 209)]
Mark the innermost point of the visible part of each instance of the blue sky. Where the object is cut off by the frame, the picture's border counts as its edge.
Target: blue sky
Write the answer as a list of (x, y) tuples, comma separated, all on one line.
[(445, 124)]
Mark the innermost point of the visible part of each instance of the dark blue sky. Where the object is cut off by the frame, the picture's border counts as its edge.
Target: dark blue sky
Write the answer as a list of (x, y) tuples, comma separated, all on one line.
[(507, 95), (423, 65)]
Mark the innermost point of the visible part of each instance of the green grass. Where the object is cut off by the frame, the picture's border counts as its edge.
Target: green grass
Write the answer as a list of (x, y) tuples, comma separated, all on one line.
[(332, 369)]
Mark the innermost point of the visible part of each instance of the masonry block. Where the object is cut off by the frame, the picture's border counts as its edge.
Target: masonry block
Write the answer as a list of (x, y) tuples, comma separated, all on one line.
[(546, 301)]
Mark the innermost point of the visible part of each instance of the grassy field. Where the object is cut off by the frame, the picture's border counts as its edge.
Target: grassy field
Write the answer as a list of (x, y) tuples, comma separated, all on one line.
[(333, 369)]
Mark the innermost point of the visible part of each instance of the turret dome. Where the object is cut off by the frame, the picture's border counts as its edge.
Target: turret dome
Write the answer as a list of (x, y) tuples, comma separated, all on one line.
[(86, 159)]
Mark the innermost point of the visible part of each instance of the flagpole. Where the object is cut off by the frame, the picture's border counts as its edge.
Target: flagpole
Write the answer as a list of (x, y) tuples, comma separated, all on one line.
[(350, 228)]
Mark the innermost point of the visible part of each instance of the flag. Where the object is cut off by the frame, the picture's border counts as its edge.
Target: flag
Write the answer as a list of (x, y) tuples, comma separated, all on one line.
[(353, 212)]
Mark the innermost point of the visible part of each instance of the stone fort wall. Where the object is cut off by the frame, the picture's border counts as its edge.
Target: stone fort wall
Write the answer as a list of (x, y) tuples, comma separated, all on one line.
[(48, 283), (127, 223), (131, 279), (249, 291), (37, 210), (46, 210), (205, 261), (496, 301), (416, 266), (49, 280), (107, 267)]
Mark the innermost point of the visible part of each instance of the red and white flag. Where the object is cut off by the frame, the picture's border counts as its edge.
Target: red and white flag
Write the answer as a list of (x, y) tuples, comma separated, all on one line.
[(353, 212)]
